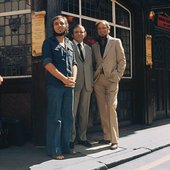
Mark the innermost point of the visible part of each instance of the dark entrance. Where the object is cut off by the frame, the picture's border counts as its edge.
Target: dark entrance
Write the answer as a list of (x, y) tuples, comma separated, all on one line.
[(161, 68)]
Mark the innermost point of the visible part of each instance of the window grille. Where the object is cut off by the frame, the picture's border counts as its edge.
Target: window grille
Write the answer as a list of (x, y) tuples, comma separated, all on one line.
[(15, 38), (88, 12)]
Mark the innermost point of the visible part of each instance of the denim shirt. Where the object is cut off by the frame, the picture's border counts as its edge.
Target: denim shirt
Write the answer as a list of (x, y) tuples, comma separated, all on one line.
[(62, 58)]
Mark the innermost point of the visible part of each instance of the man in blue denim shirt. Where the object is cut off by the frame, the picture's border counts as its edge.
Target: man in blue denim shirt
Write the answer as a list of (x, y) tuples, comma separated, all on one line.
[(58, 58)]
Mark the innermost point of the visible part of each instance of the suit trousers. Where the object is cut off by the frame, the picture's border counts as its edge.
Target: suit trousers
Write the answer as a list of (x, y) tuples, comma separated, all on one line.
[(81, 113), (59, 119), (106, 96)]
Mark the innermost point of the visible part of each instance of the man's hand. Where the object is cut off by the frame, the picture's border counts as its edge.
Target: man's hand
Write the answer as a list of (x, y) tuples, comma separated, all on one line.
[(69, 82)]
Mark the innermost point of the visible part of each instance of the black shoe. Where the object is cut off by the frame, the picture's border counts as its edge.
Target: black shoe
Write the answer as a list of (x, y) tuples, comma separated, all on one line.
[(114, 146), (85, 143), (103, 141), (73, 151), (72, 145)]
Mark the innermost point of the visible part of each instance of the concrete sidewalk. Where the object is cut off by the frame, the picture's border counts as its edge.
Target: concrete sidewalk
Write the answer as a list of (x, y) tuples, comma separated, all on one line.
[(135, 141)]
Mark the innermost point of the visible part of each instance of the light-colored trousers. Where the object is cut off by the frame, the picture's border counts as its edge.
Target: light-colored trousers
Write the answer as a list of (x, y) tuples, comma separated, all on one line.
[(81, 113), (106, 95)]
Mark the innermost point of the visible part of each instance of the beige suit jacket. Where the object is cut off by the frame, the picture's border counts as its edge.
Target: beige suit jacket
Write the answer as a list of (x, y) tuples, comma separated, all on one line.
[(113, 61), (85, 69)]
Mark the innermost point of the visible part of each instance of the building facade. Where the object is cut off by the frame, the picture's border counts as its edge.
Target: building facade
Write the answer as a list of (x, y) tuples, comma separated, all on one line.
[(144, 94)]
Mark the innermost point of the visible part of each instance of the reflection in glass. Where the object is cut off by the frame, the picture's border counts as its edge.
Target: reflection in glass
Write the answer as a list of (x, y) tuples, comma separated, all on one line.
[(71, 6), (90, 39), (122, 16), (72, 22), (124, 35), (97, 9), (112, 31)]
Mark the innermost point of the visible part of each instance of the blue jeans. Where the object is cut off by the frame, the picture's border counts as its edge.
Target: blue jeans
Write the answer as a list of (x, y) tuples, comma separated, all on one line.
[(59, 119)]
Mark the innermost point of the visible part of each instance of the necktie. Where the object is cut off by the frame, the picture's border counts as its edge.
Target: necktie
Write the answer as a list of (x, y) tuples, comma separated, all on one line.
[(81, 52)]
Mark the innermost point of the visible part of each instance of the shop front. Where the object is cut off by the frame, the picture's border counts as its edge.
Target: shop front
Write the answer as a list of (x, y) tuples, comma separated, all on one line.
[(144, 89)]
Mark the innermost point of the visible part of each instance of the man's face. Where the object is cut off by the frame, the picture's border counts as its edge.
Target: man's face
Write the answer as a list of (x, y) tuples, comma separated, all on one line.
[(79, 33), (59, 25), (102, 30)]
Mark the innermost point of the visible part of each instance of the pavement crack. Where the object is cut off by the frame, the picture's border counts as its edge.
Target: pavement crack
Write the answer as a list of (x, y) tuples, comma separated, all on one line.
[(142, 148)]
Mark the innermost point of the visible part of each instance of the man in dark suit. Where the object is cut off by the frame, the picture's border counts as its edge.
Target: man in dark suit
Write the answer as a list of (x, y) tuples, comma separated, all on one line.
[(110, 65), (83, 87)]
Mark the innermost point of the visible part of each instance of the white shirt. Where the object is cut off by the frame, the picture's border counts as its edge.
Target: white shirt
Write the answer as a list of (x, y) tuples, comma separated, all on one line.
[(82, 47)]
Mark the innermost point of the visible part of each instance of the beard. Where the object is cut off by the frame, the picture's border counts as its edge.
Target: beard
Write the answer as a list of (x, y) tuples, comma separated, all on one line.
[(59, 34)]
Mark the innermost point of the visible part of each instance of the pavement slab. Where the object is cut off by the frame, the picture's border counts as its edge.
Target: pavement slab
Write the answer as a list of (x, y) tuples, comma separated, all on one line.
[(134, 142)]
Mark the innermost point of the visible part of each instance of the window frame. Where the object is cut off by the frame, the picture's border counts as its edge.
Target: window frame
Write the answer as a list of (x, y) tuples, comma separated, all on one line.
[(18, 13), (113, 24)]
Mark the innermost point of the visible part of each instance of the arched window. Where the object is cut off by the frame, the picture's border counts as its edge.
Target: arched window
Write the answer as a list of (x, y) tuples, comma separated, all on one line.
[(88, 12)]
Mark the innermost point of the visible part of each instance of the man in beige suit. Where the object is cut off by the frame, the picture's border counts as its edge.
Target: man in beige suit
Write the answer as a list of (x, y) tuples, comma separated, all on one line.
[(83, 87), (110, 65)]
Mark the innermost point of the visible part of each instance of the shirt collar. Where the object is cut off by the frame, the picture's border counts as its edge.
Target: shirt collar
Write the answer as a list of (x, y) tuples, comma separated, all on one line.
[(82, 44)]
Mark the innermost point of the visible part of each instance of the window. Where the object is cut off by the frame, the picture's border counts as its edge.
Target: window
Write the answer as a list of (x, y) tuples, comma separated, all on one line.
[(15, 38), (88, 12)]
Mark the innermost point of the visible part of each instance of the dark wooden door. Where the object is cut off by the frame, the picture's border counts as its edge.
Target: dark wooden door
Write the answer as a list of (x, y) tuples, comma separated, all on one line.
[(161, 60)]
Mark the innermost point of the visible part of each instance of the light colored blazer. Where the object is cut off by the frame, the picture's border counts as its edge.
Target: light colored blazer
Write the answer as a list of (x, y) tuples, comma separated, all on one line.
[(113, 62), (85, 69)]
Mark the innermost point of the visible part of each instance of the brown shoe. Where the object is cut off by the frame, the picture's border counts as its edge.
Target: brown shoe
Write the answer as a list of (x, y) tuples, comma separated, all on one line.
[(114, 146)]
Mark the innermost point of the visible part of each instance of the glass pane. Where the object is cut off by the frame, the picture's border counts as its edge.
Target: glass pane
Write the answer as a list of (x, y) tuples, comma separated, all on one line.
[(97, 9), (8, 6), (28, 18), (22, 39), (2, 8), (28, 28), (2, 31), (112, 31), (1, 21), (8, 40), (90, 39), (14, 6), (72, 21), (14, 40), (21, 5), (22, 29), (71, 6), (122, 16), (1, 41), (124, 35), (7, 30)]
